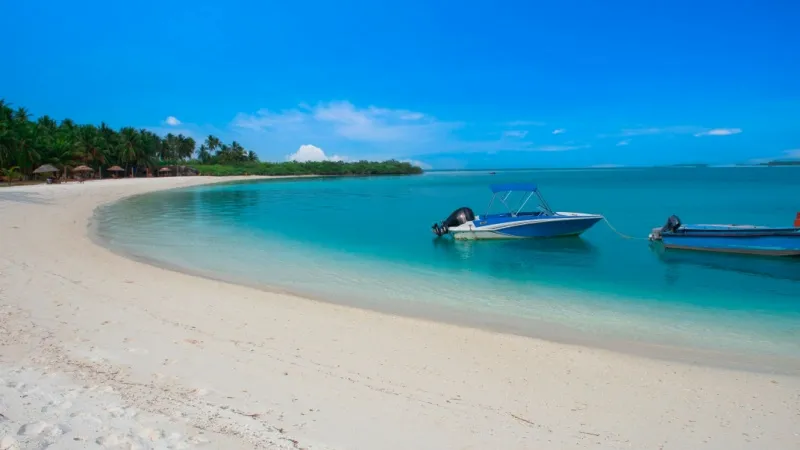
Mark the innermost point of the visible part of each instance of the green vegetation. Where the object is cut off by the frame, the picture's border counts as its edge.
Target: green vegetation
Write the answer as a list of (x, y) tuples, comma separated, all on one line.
[(26, 144), (310, 168), (782, 163)]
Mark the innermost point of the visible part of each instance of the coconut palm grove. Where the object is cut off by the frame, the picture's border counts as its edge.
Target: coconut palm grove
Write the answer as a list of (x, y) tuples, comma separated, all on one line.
[(26, 144)]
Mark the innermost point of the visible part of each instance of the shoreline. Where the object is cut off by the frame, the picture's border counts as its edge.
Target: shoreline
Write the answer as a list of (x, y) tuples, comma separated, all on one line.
[(506, 325), (254, 368), (499, 323)]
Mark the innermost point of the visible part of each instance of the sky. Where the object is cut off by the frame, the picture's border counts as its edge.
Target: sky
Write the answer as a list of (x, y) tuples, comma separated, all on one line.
[(447, 85)]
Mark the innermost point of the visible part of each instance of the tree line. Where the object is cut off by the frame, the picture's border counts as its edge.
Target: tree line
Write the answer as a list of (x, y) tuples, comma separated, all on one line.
[(332, 168), (25, 144)]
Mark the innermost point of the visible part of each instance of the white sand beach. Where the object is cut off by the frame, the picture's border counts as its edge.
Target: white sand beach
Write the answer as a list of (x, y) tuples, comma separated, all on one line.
[(100, 351)]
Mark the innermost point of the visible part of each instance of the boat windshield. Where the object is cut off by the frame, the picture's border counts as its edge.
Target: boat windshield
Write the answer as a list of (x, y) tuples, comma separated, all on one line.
[(502, 193)]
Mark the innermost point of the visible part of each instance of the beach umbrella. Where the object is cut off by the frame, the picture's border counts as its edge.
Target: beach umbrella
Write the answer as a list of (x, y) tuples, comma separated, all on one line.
[(83, 169), (47, 168), (116, 170)]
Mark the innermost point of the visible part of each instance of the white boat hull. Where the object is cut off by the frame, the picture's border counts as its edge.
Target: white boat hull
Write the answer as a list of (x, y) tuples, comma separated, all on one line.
[(558, 225)]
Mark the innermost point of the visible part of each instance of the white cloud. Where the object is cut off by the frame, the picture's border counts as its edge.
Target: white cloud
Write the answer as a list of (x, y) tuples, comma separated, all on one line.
[(420, 164), (340, 126), (660, 130), (558, 148), (309, 152), (623, 142), (345, 120), (679, 129), (172, 121), (265, 119), (409, 115), (375, 132), (559, 131), (526, 123), (719, 132), (378, 124), (515, 133)]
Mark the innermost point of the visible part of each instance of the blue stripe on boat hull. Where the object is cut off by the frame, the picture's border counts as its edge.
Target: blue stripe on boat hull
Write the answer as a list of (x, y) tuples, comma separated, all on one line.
[(548, 228), (756, 245)]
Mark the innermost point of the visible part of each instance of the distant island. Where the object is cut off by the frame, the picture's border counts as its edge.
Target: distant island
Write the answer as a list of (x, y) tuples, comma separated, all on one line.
[(698, 165), (782, 163), (27, 144)]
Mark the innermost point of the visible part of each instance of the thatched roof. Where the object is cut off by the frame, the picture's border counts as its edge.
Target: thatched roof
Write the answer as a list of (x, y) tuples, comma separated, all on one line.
[(116, 169), (83, 169), (165, 169), (47, 168)]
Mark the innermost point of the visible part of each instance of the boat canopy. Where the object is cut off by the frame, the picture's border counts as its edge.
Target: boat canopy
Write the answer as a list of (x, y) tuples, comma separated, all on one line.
[(507, 187), (505, 191)]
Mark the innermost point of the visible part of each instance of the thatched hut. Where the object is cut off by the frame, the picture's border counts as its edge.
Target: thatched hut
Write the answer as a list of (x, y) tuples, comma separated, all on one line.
[(47, 168), (115, 170)]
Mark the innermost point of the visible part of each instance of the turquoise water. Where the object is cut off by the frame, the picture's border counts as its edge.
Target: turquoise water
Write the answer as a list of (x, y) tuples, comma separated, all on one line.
[(367, 241)]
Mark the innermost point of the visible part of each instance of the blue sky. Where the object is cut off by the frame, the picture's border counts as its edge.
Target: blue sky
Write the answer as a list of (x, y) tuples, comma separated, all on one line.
[(449, 84)]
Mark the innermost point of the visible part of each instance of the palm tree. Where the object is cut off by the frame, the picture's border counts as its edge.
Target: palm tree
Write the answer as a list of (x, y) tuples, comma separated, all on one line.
[(63, 153), (150, 148), (251, 156), (222, 152), (45, 133), (108, 141), (212, 142), (129, 142), (68, 125), (9, 173), (24, 136), (90, 145), (171, 147), (46, 123), (237, 152), (6, 134), (203, 154), (186, 147), (21, 114), (69, 131)]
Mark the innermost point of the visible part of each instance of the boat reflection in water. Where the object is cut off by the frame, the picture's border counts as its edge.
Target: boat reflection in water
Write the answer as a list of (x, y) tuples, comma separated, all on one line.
[(518, 256), (764, 266)]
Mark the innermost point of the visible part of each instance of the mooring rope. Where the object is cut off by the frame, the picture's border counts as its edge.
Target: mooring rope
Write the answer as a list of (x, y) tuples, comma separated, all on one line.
[(623, 235)]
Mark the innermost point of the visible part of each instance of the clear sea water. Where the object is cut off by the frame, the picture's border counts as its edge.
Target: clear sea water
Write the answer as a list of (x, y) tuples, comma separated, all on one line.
[(367, 242)]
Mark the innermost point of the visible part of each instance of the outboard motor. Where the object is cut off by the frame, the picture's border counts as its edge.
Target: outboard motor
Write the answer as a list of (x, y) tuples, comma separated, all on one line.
[(458, 217), (672, 225)]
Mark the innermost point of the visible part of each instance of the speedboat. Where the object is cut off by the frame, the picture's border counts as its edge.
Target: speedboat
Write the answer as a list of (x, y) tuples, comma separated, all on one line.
[(749, 239), (516, 223)]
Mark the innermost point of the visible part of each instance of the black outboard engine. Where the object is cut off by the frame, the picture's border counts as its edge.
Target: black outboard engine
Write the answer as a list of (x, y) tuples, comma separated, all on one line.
[(459, 217), (672, 225)]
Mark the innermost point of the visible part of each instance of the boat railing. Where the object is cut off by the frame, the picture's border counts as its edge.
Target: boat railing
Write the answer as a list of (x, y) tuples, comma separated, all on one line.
[(504, 198)]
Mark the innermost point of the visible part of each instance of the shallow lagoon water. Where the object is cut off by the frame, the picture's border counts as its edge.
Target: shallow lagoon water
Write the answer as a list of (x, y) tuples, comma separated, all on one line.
[(367, 241)]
